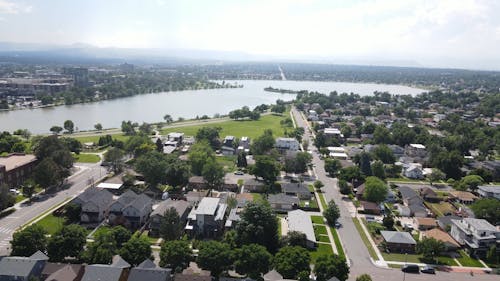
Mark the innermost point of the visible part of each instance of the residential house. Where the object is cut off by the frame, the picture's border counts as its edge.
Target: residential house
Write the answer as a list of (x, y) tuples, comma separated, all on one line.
[(360, 191), (287, 145), (94, 204), (391, 197), (283, 203), (244, 143), (118, 270), (181, 207), (194, 197), (300, 221), (398, 241), (62, 272), (131, 209), (197, 182), (425, 223), (477, 235), (449, 243), (413, 201), (397, 150), (233, 218), (337, 152), (22, 268), (370, 208), (15, 168), (228, 145), (403, 210), (207, 219), (149, 271), (413, 171), (254, 185), (191, 277), (489, 191), (444, 222), (415, 150), (428, 194), (174, 139), (331, 133), (463, 197), (299, 190)]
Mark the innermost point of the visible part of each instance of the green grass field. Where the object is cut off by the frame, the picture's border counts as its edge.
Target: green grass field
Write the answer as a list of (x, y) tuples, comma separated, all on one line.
[(228, 162), (51, 223), (317, 219), (368, 245), (320, 229), (324, 238), (322, 249), (95, 139), (322, 201), (466, 260), (238, 129), (441, 208), (336, 239), (412, 258), (86, 158)]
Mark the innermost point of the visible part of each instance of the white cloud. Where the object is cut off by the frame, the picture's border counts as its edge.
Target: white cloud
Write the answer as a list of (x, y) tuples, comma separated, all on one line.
[(9, 7)]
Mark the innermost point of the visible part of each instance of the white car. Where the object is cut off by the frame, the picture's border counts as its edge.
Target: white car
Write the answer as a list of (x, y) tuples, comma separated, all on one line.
[(14, 191)]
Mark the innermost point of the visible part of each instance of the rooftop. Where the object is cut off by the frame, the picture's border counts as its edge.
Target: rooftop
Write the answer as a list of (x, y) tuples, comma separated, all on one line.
[(300, 221), (417, 145), (207, 206), (440, 235), (398, 237), (490, 188), (480, 224), (15, 160)]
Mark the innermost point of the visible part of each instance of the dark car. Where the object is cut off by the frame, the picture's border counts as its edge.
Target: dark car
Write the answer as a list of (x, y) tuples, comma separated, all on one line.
[(411, 268), (428, 269)]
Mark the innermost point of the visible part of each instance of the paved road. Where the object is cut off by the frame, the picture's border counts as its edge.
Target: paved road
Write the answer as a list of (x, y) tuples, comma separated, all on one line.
[(353, 245), (25, 213)]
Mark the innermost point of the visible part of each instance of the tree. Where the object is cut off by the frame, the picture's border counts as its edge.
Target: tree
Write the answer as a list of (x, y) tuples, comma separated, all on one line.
[(258, 225), (6, 197), (435, 175), (209, 134), (139, 145), (488, 209), (72, 144), (114, 156), (252, 260), (470, 182), (278, 108), (429, 248), (290, 261), (159, 145), (28, 189), (120, 235), (72, 212), (56, 129), (263, 144), (128, 128), (350, 174), (384, 154), (242, 160), (69, 126), (378, 169), (388, 222), (98, 127), (198, 155), (214, 256), (381, 135), (318, 185), (145, 128), (152, 166), (178, 172), (29, 240), (449, 162), (364, 163), (68, 242), (344, 187), (213, 174), (332, 213), (168, 119), (47, 173), (266, 168), (176, 254), (303, 159), (295, 238), (328, 266), (136, 250), (102, 250), (375, 190), (364, 277), (332, 166), (170, 225)]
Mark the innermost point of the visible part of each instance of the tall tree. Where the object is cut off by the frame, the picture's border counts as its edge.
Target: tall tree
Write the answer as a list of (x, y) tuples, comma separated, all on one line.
[(136, 250), (364, 163), (98, 127), (198, 155), (213, 174), (6, 197), (290, 261), (102, 250), (258, 225), (120, 235), (265, 167), (56, 129), (488, 209), (168, 119), (214, 256), (178, 171), (332, 166), (263, 144), (328, 266), (211, 135), (47, 173), (384, 154), (176, 254), (69, 126), (252, 260), (378, 169), (68, 242), (332, 213), (153, 166), (29, 240), (170, 225), (430, 248), (375, 190), (114, 156)]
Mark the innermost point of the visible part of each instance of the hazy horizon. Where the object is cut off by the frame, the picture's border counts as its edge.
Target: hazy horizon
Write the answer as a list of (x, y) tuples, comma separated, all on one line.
[(447, 34)]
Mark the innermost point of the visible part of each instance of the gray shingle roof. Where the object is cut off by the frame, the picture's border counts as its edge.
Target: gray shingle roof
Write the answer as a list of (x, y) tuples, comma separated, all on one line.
[(398, 237), (282, 198), (179, 205), (17, 266), (101, 272), (119, 262), (296, 188)]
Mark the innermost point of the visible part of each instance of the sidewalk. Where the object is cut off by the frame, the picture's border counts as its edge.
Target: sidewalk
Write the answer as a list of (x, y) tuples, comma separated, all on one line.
[(381, 260)]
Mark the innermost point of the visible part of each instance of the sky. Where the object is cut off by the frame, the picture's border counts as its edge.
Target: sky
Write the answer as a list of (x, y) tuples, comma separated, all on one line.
[(435, 33)]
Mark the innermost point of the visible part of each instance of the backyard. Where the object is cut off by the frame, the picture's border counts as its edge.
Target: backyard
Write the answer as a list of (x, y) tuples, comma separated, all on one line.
[(86, 158)]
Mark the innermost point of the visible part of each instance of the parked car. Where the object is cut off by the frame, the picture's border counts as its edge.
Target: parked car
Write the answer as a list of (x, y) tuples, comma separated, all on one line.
[(337, 224), (239, 173), (370, 218), (411, 268), (428, 269)]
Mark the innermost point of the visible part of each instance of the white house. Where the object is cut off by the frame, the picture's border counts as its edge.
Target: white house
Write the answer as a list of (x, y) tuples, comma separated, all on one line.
[(287, 144), (300, 221), (478, 235), (413, 171), (489, 191)]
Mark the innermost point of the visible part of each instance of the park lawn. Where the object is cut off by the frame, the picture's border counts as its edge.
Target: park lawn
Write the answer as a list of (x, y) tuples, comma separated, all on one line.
[(51, 223), (95, 138), (317, 220), (368, 245), (238, 128), (86, 158), (466, 260), (320, 229), (336, 239), (321, 250)]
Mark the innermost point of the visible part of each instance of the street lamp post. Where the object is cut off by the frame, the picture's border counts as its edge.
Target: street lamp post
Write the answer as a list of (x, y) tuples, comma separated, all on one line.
[(404, 272)]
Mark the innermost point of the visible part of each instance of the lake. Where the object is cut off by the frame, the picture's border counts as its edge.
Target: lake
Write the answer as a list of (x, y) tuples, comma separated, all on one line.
[(187, 104)]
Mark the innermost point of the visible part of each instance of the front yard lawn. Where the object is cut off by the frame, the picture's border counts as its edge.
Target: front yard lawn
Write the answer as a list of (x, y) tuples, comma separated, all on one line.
[(312, 203), (368, 245), (324, 238), (86, 158), (414, 258), (321, 249), (441, 209), (320, 229), (317, 220), (336, 239), (51, 223), (466, 260)]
